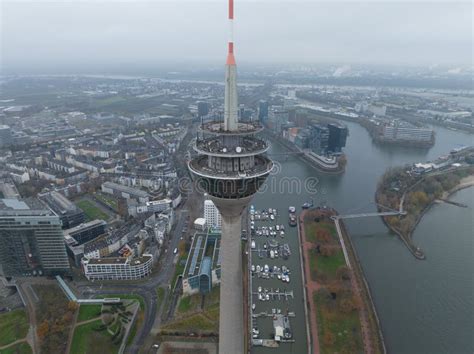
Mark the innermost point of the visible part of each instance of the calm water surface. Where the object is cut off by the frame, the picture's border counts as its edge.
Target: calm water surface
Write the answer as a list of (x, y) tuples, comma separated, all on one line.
[(424, 306)]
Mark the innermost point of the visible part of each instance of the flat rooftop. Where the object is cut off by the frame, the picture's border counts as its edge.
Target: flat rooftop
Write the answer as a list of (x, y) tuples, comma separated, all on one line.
[(23, 207), (120, 260), (84, 226)]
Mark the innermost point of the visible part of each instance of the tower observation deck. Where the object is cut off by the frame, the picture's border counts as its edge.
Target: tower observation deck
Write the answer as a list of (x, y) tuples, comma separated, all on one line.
[(230, 167)]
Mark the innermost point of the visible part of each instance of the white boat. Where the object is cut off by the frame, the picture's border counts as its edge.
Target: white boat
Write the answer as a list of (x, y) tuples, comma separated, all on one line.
[(272, 254), (258, 268), (266, 268), (252, 245), (292, 209), (253, 268), (277, 227), (279, 276), (267, 297), (253, 306), (272, 217), (259, 289)]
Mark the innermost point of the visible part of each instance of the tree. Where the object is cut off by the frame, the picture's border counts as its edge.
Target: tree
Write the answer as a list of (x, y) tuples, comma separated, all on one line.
[(347, 305), (329, 338), (343, 273), (327, 251), (43, 329), (323, 235), (72, 306)]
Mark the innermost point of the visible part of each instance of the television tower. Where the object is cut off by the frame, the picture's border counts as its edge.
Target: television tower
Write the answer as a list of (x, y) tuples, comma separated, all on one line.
[(230, 168)]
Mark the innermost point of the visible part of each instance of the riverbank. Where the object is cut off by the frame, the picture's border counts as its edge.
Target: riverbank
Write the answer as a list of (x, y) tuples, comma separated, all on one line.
[(373, 130), (312, 160), (416, 194), (342, 313)]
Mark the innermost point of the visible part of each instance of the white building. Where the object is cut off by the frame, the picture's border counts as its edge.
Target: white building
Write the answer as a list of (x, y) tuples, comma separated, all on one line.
[(407, 133), (212, 215), (117, 268), (200, 224)]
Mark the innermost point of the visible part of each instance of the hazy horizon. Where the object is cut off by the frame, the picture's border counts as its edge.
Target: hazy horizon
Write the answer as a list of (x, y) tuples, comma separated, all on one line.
[(102, 35)]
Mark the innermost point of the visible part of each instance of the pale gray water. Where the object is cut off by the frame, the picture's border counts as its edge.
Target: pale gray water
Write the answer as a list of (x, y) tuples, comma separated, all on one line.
[(424, 306)]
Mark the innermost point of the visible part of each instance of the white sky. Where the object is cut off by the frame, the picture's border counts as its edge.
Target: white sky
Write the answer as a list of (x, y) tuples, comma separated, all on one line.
[(380, 32)]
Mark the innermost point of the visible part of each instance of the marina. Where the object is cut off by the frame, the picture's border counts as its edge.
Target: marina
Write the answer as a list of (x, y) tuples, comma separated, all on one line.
[(277, 312)]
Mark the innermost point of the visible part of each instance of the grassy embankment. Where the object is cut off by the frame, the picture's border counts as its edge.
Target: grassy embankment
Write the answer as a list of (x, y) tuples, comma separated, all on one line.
[(190, 317), (105, 334), (337, 316)]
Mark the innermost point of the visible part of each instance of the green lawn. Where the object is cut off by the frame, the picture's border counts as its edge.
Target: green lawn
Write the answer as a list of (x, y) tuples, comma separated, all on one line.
[(311, 228), (344, 328), (160, 295), (179, 269), (86, 340), (88, 312), (111, 202), (21, 348), (330, 265), (13, 326), (327, 265), (91, 210), (195, 323), (189, 303)]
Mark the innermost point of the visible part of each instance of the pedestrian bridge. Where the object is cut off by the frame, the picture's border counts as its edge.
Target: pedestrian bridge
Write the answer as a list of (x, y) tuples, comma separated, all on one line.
[(366, 215)]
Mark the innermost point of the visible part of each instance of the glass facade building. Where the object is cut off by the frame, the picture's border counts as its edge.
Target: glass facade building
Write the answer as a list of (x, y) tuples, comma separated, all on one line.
[(31, 239)]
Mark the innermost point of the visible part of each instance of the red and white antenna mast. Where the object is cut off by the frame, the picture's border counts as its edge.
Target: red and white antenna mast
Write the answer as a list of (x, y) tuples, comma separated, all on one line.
[(230, 53), (230, 99)]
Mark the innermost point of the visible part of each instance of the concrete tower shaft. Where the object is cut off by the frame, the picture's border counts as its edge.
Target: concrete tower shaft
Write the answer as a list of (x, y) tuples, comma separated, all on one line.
[(230, 168)]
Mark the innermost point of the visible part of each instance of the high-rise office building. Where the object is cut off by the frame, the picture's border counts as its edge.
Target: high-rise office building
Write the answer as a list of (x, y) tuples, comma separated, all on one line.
[(262, 110), (203, 109), (337, 137), (212, 214), (5, 135), (31, 239)]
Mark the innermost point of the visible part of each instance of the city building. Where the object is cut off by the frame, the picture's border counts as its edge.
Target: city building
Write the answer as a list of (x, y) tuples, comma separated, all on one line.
[(230, 167), (86, 232), (212, 214), (337, 137), (401, 133), (117, 268), (125, 192), (67, 211), (203, 109), (5, 135), (202, 270), (31, 239), (262, 110)]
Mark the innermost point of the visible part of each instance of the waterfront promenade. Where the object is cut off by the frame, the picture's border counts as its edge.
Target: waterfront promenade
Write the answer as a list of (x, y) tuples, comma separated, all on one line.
[(369, 326), (310, 286)]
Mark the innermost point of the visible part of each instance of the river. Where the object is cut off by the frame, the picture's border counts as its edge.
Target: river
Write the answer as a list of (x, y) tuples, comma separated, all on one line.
[(424, 306)]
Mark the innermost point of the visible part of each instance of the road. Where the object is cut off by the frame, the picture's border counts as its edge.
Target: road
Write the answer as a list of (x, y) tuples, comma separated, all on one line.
[(146, 288)]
